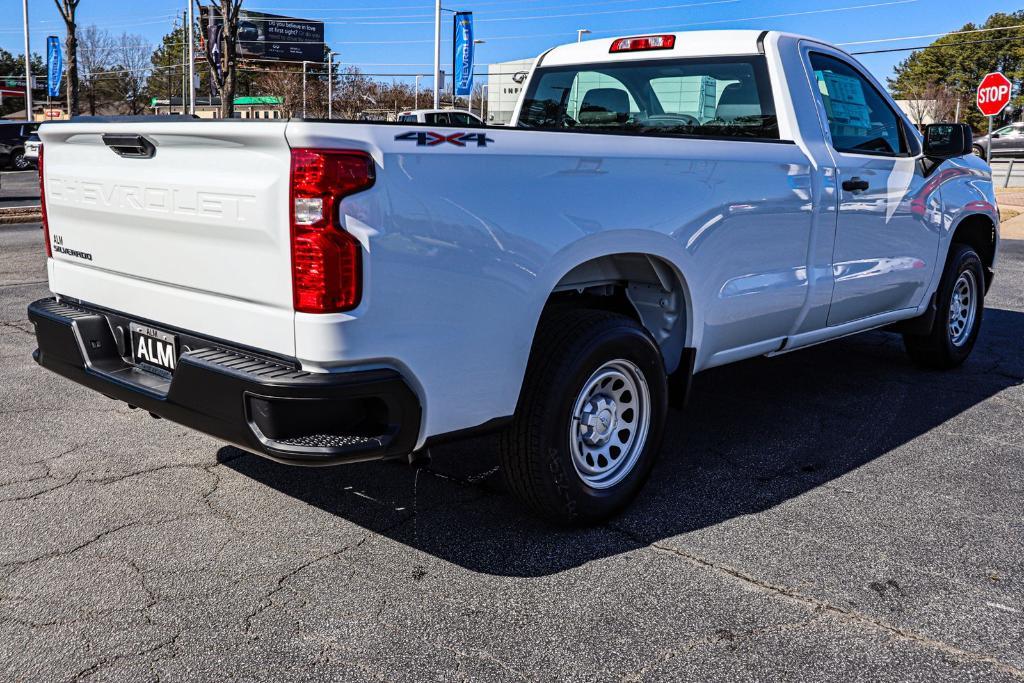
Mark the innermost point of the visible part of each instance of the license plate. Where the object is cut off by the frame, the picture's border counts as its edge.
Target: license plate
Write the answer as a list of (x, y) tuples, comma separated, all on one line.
[(154, 347)]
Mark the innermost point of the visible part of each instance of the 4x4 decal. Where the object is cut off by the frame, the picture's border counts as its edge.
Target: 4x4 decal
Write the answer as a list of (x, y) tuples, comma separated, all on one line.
[(432, 139)]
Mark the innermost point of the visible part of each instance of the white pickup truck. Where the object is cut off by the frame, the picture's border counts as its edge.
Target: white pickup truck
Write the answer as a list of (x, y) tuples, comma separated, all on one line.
[(321, 292)]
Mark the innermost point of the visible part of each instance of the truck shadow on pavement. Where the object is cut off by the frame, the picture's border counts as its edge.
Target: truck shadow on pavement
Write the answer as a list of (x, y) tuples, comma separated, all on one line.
[(756, 434)]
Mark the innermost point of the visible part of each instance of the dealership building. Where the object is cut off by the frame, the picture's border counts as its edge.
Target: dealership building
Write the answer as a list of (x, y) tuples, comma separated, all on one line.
[(505, 81)]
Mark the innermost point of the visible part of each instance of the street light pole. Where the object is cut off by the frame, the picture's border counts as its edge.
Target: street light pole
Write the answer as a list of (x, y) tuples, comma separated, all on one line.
[(191, 64), (475, 43), (580, 33), (304, 63), (28, 65), (416, 97), (330, 85), (437, 54)]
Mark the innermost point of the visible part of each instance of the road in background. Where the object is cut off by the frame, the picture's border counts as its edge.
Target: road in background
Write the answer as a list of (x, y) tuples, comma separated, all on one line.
[(19, 188), (835, 514), (1000, 169)]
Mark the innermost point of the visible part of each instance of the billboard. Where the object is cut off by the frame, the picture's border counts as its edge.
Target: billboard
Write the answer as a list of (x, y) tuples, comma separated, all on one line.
[(272, 37), (462, 59)]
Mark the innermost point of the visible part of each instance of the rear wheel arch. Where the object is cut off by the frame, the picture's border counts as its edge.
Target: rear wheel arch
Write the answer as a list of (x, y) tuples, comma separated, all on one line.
[(643, 286)]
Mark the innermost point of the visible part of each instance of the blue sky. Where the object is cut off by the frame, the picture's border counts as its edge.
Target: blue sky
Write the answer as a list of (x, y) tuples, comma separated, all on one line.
[(395, 36)]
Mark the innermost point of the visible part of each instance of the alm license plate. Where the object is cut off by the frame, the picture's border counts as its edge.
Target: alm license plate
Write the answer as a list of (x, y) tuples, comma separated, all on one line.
[(154, 347)]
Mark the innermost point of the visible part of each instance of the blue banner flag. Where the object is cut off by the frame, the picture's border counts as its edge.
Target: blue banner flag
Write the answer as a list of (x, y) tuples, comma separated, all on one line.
[(54, 65), (463, 58)]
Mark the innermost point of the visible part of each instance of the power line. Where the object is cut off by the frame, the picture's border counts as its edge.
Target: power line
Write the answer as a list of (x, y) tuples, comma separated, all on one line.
[(936, 47), (932, 35)]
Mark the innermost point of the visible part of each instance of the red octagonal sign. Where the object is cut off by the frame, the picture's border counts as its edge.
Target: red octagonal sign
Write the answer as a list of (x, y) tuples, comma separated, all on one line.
[(993, 93)]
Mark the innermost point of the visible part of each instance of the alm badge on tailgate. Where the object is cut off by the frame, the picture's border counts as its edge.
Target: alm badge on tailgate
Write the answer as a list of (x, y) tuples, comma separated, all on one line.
[(154, 347)]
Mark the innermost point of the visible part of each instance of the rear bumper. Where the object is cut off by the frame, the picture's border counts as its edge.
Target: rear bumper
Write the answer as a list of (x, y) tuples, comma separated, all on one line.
[(263, 405)]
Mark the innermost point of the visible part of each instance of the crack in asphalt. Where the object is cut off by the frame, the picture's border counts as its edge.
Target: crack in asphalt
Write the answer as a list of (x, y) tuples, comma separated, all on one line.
[(268, 600), (717, 636), (792, 595)]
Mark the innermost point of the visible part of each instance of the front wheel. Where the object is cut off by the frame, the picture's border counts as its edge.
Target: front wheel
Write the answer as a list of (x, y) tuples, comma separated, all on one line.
[(590, 417), (978, 151), (961, 302)]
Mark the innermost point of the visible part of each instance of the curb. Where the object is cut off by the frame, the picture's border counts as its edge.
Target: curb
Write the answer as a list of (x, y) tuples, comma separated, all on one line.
[(21, 216)]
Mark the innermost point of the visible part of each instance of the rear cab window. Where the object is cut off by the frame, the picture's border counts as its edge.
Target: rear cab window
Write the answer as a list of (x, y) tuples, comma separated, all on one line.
[(695, 97)]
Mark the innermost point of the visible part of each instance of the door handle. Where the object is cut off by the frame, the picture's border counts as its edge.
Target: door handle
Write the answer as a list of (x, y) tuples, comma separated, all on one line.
[(855, 185)]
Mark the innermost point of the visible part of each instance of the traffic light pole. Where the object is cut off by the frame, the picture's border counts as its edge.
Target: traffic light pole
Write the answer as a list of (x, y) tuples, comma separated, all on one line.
[(28, 65)]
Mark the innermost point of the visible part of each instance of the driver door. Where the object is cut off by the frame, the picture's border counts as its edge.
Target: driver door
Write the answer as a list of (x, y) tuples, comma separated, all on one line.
[(886, 239)]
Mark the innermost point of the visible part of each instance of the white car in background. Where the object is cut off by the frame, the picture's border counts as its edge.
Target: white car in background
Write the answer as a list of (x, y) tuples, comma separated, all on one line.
[(441, 117), (32, 146)]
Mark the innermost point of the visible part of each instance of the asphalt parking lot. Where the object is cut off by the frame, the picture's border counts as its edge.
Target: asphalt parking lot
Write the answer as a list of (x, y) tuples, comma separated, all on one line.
[(19, 188), (834, 514)]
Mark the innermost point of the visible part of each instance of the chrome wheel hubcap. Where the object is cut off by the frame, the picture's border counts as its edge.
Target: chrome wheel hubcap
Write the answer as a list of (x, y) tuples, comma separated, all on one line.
[(610, 421), (962, 308)]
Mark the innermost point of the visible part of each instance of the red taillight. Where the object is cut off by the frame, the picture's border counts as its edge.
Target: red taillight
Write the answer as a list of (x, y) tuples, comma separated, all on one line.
[(42, 204), (326, 260), (640, 43)]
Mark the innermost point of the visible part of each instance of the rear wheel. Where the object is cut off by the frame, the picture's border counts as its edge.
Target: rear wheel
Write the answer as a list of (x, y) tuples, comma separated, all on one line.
[(19, 162), (961, 302), (590, 417)]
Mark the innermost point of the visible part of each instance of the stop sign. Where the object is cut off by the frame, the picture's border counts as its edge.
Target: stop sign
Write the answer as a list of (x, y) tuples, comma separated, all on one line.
[(993, 93)]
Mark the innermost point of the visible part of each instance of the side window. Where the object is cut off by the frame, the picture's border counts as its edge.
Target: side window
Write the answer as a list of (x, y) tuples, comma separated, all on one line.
[(440, 119), (407, 118), (859, 118), (460, 118)]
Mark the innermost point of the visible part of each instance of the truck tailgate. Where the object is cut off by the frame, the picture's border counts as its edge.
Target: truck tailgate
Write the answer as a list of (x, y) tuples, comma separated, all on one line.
[(194, 236)]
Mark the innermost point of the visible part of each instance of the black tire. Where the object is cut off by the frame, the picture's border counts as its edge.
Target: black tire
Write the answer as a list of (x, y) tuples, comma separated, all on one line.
[(978, 151), (939, 349), (536, 454), (19, 162)]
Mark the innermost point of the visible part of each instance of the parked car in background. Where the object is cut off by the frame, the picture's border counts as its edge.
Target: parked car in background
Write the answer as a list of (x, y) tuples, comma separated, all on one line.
[(12, 144), (440, 117), (1008, 141), (32, 149)]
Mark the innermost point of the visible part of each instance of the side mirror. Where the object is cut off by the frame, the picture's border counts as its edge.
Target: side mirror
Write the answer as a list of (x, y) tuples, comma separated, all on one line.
[(947, 140), (995, 135)]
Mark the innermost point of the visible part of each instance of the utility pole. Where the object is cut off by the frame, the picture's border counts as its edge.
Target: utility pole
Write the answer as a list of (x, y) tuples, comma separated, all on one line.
[(304, 63), (184, 70), (191, 63), (330, 85), (437, 54), (28, 65)]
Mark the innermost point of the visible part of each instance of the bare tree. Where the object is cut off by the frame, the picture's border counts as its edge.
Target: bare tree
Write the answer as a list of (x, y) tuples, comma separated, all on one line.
[(285, 84), (221, 55), (96, 54), (132, 67), (929, 102), (355, 92), (67, 9)]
